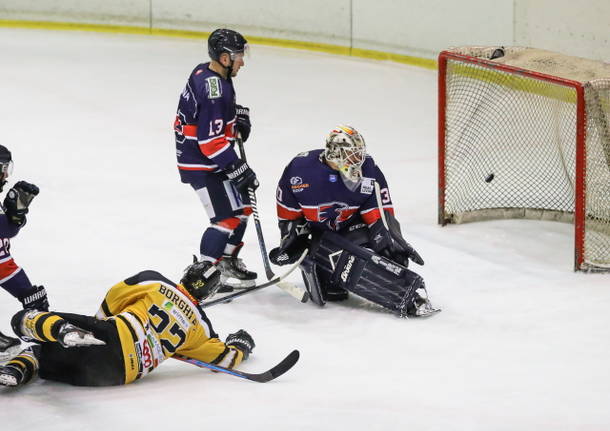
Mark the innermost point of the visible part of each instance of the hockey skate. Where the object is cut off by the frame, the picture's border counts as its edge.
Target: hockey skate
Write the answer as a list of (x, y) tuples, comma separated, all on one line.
[(234, 274), (73, 336), (9, 347), (421, 305)]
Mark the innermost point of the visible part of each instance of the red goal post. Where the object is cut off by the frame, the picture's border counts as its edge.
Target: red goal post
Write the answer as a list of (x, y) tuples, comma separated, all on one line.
[(523, 133)]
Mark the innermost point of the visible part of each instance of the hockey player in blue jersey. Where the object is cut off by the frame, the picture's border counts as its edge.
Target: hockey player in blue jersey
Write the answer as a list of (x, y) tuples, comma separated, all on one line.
[(13, 279), (207, 124), (329, 202)]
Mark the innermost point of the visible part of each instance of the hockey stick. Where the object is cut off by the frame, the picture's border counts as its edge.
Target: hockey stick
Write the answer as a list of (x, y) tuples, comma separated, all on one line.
[(257, 222), (259, 234), (299, 294), (288, 287), (286, 364)]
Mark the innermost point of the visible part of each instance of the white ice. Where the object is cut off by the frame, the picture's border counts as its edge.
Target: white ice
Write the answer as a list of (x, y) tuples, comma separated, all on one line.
[(523, 343)]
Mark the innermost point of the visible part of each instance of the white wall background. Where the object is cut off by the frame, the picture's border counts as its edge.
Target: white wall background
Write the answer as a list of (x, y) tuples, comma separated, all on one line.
[(418, 28)]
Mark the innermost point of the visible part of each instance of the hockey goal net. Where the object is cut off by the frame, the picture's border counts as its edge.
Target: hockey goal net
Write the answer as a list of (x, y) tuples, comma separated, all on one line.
[(524, 133)]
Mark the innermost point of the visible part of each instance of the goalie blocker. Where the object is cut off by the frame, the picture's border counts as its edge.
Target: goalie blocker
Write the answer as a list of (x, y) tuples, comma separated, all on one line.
[(339, 265)]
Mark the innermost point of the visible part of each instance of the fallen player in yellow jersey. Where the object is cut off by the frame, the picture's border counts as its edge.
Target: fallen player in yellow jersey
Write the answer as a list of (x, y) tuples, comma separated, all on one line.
[(142, 321)]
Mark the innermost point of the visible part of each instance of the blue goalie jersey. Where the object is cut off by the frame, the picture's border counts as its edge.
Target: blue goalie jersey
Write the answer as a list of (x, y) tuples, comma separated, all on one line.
[(310, 189)]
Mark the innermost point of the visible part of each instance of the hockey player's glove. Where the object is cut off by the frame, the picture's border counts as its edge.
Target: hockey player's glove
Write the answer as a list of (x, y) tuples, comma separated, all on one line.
[(242, 122), (242, 177), (36, 299), (242, 341), (390, 243), (295, 240), (18, 200)]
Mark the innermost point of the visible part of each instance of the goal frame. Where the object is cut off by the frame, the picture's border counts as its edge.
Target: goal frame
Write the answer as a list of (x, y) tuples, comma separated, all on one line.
[(580, 153)]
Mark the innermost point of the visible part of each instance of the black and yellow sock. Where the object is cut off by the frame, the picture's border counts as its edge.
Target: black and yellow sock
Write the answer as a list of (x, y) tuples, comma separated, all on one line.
[(26, 363), (37, 325)]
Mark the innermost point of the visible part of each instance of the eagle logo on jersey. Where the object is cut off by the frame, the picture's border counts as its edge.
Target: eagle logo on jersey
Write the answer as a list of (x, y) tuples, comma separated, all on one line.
[(332, 214)]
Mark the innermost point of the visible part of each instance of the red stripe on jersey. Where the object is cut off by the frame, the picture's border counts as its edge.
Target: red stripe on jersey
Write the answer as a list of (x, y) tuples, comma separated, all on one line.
[(189, 130), (312, 214), (373, 215), (195, 168), (286, 214), (213, 146), (8, 268), (247, 211)]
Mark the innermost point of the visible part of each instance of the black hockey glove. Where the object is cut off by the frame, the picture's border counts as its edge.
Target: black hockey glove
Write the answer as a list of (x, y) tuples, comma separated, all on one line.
[(242, 341), (390, 243), (36, 300), (295, 240), (18, 200), (242, 122), (241, 176)]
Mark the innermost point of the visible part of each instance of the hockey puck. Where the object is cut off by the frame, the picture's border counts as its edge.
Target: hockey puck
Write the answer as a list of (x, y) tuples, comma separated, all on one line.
[(489, 178)]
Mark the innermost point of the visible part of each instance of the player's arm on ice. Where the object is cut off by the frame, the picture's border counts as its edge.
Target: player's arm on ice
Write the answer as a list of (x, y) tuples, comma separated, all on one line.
[(229, 354), (386, 240), (294, 229)]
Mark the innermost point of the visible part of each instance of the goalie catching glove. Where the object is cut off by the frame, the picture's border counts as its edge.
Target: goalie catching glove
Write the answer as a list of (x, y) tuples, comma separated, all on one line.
[(390, 243), (295, 240), (18, 200)]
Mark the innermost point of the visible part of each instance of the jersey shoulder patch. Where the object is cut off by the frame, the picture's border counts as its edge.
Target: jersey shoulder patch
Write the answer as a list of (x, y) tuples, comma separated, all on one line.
[(213, 87)]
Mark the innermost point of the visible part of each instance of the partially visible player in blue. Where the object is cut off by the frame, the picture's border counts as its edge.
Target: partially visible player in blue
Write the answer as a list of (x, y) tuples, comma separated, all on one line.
[(13, 279), (333, 189), (207, 124)]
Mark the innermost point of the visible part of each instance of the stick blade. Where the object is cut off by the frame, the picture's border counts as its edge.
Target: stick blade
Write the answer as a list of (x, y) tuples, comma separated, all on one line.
[(276, 371)]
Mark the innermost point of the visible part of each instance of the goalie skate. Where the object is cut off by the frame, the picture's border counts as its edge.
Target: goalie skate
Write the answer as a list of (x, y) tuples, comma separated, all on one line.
[(421, 306)]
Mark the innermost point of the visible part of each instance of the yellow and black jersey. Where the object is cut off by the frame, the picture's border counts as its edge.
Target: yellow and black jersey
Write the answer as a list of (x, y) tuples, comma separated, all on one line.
[(157, 318)]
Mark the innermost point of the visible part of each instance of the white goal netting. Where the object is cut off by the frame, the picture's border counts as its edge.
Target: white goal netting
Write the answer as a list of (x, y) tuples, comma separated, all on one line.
[(526, 135)]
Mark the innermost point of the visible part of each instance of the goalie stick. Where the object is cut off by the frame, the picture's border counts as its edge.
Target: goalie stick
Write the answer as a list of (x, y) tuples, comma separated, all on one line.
[(300, 294), (273, 373)]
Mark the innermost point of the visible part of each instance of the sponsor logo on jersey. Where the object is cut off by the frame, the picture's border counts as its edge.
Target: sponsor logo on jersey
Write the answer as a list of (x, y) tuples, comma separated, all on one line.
[(213, 87), (347, 269), (332, 178), (367, 186), (180, 318), (303, 154), (178, 302), (296, 181), (299, 187)]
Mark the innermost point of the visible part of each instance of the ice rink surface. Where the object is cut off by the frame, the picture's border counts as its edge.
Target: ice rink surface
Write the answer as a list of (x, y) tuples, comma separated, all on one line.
[(523, 342)]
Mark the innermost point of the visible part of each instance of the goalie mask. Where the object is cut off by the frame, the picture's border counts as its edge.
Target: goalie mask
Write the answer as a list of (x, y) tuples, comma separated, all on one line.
[(6, 165), (345, 151), (201, 280)]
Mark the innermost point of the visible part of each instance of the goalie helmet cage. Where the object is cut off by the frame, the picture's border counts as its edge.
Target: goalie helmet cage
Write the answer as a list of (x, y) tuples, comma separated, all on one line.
[(523, 133)]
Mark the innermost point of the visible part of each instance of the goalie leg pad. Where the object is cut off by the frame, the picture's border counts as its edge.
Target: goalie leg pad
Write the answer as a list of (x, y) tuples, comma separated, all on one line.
[(366, 274), (312, 284)]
